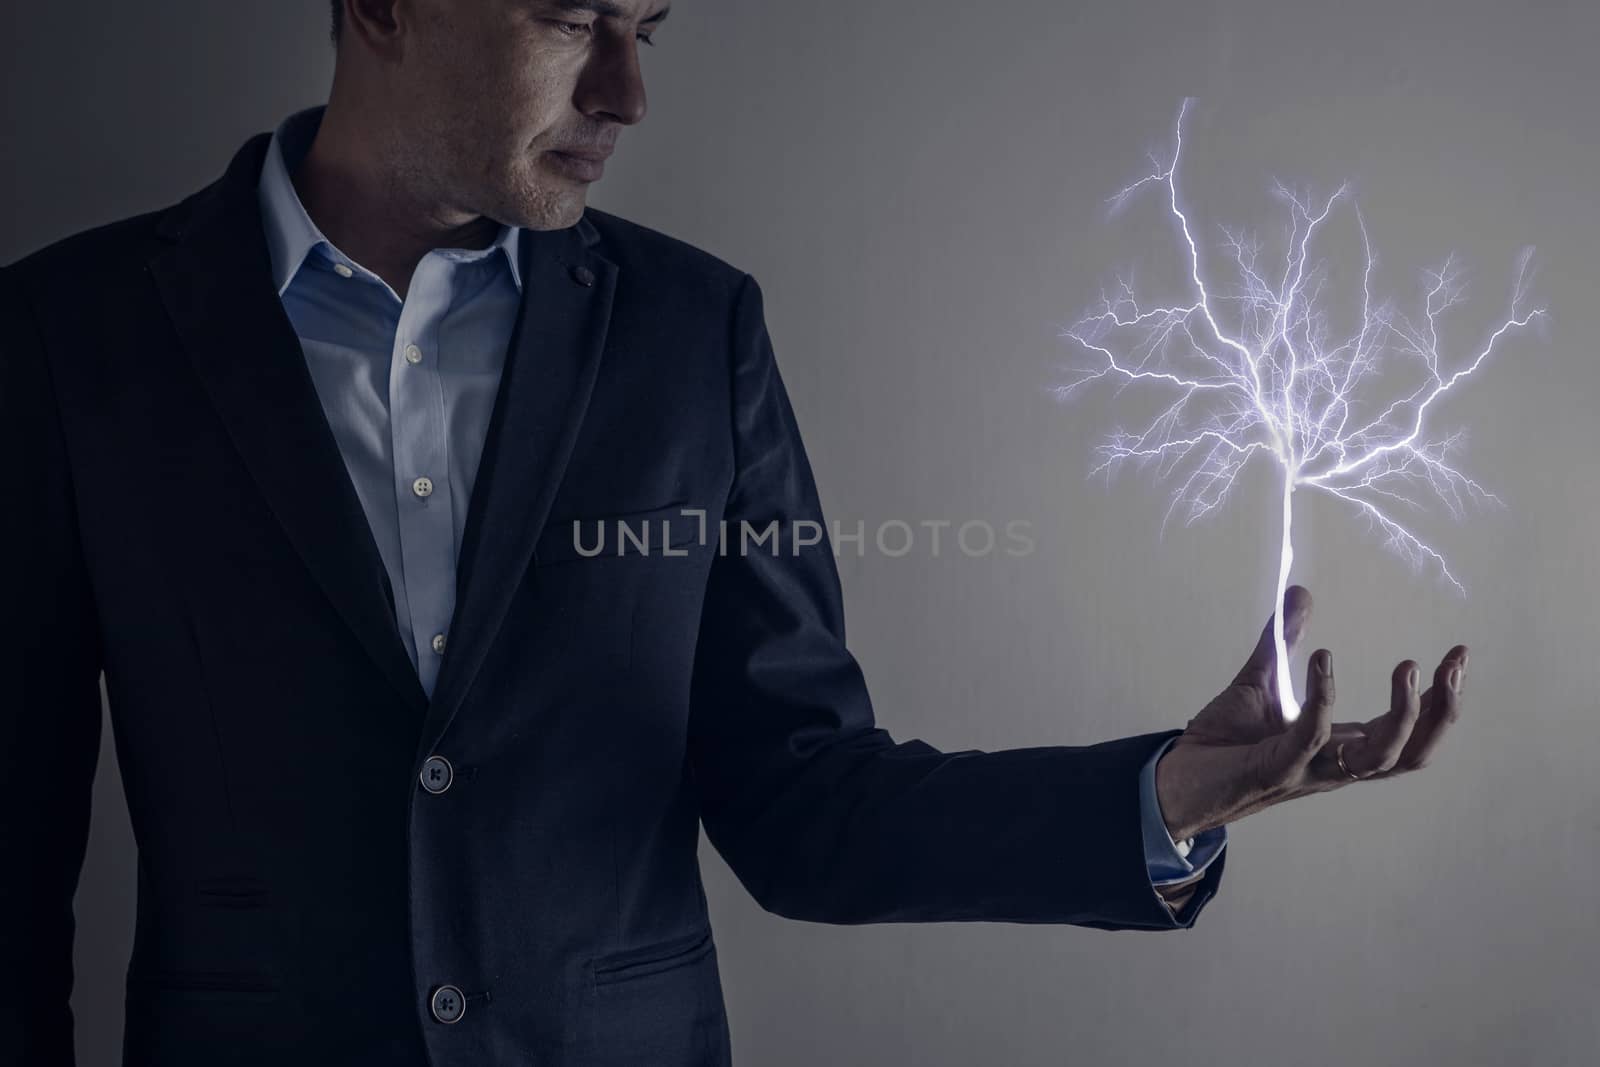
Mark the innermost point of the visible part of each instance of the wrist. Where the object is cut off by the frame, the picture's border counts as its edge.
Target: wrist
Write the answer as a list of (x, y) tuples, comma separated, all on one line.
[(1169, 799)]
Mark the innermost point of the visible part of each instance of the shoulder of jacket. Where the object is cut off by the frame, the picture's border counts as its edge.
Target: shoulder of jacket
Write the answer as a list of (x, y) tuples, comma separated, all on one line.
[(634, 246), (75, 263)]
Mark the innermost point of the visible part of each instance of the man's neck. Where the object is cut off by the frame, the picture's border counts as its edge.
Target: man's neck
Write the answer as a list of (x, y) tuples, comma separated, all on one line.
[(342, 185)]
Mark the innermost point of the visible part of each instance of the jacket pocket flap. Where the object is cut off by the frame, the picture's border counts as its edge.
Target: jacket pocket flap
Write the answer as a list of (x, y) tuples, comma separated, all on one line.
[(651, 959)]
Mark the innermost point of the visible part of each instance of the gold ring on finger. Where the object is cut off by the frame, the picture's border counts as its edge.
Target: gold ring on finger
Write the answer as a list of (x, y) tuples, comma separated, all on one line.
[(1338, 756)]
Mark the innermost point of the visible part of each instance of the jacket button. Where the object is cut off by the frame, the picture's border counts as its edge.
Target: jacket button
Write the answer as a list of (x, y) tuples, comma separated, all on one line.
[(436, 774), (583, 275), (447, 1004)]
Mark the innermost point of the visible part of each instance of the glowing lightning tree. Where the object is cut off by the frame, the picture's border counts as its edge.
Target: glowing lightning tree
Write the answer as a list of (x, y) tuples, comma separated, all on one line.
[(1269, 373)]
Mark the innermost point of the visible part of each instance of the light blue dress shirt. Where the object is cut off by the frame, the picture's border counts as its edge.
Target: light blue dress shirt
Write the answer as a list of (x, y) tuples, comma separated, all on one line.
[(408, 386), (1172, 861)]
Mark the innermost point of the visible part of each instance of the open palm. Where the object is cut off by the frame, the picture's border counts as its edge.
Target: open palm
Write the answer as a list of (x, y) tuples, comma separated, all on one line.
[(1238, 755)]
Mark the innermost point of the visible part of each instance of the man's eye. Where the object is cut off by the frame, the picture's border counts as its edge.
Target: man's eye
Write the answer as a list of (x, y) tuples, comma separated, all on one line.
[(578, 29)]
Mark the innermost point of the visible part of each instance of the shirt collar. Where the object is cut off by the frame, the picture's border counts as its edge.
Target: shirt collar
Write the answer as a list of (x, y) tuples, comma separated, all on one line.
[(291, 235)]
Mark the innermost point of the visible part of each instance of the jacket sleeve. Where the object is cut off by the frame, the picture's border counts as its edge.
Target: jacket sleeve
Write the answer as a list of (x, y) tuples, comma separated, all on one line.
[(820, 813), (50, 714)]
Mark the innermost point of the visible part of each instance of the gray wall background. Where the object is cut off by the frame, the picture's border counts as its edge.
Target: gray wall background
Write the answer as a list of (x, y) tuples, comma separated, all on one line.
[(919, 189)]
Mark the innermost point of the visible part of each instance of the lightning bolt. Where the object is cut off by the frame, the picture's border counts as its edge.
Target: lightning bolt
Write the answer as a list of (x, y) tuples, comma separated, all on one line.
[(1257, 366)]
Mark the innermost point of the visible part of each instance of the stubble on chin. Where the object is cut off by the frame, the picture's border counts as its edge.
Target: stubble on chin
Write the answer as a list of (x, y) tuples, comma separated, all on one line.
[(548, 203)]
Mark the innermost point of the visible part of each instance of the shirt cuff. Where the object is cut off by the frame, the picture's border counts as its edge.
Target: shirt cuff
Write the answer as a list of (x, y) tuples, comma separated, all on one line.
[(1168, 861)]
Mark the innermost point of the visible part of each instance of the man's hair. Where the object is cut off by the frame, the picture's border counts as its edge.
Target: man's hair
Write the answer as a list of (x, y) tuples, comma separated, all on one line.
[(338, 21)]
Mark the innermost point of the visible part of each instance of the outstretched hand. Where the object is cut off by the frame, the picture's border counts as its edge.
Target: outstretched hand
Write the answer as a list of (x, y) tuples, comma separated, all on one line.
[(1238, 755)]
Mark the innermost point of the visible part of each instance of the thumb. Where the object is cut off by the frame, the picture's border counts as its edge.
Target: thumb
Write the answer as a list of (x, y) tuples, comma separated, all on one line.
[(1258, 668), (1315, 725)]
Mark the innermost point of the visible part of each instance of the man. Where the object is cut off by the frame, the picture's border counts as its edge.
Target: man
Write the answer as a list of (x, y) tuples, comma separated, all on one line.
[(414, 778)]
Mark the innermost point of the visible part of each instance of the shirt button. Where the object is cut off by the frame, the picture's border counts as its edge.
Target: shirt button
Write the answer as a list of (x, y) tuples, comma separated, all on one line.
[(422, 486), (448, 1004), (438, 643), (437, 774), (413, 354), (342, 271)]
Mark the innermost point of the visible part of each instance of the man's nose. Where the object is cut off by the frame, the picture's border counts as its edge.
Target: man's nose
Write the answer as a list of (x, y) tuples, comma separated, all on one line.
[(611, 86)]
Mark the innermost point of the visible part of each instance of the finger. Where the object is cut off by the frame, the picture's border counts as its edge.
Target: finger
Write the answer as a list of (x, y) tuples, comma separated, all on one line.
[(1294, 627), (1324, 769), (1441, 706), (1390, 732), (1311, 731), (1348, 731), (1296, 611), (1455, 655)]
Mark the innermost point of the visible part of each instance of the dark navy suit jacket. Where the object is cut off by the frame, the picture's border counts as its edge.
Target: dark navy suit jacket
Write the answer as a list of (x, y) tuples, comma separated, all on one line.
[(180, 517)]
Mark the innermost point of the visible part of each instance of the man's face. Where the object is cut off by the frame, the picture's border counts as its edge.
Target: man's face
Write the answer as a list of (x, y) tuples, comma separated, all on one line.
[(507, 108)]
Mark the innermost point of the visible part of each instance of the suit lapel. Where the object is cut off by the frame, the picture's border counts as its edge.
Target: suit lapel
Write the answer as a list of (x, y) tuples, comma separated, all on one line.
[(550, 371), (214, 276)]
